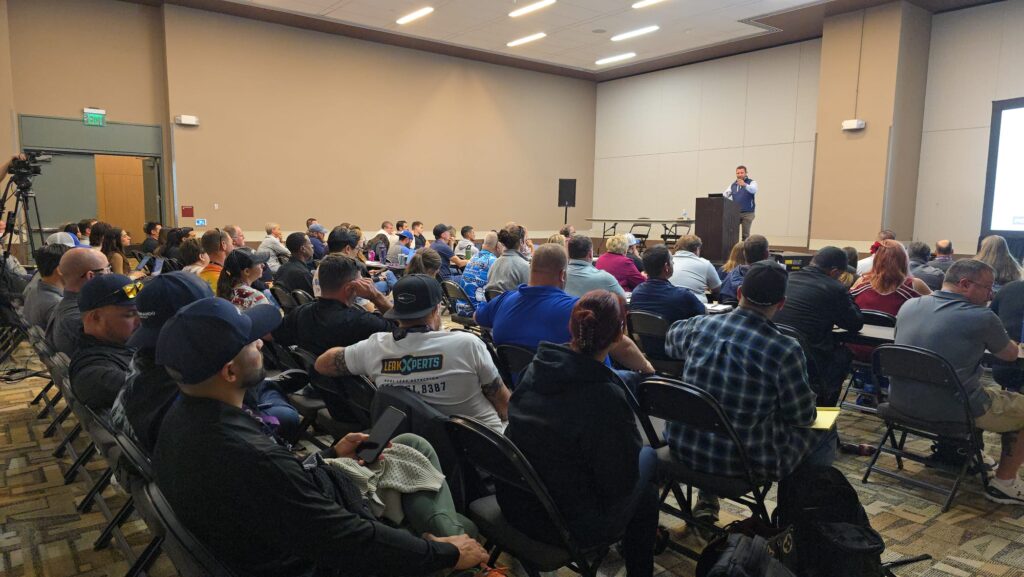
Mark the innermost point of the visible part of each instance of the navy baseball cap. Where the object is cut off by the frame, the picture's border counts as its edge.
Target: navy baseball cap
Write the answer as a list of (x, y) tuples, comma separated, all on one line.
[(764, 284), (416, 295), (108, 289), (406, 234), (160, 298), (204, 336)]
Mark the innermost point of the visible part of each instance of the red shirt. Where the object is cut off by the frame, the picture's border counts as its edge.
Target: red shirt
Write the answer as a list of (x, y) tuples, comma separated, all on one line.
[(622, 268), (868, 299)]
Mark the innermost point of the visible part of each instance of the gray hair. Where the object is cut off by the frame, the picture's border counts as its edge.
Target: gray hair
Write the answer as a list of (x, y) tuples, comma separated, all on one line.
[(968, 268)]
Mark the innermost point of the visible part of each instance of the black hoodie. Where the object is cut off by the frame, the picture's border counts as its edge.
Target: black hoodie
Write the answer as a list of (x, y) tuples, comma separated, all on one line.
[(570, 418)]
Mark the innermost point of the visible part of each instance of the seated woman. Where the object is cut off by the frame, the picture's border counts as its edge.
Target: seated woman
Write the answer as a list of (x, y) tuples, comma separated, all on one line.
[(996, 253), (570, 418), (735, 259), (620, 266), (241, 268), (192, 256), (115, 240)]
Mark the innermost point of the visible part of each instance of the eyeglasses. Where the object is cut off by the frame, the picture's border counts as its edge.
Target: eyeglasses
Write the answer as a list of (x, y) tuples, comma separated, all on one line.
[(987, 287), (130, 290), (97, 271)]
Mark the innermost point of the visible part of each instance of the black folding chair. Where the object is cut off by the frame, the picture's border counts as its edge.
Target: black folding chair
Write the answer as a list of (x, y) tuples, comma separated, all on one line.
[(906, 363), (283, 298), (515, 360), (454, 293), (825, 397), (302, 297), (648, 331), (492, 293), (673, 400), (496, 456), (875, 318), (641, 231)]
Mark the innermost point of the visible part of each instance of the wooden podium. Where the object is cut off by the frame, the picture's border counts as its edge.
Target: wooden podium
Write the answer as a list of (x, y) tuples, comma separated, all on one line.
[(718, 226)]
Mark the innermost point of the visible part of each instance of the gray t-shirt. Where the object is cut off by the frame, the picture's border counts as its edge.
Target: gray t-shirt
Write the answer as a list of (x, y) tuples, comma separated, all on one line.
[(694, 273), (509, 271), (64, 329), (960, 332), (40, 300), (582, 277)]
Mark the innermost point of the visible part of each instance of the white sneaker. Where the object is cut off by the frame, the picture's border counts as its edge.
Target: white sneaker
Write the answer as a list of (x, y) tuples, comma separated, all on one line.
[(1005, 492), (989, 461)]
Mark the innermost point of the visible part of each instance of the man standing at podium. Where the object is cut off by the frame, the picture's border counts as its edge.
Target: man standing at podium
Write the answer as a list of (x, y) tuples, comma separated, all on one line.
[(743, 191)]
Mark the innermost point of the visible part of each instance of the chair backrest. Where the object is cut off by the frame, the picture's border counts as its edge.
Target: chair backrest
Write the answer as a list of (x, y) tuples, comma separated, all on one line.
[(640, 229), (134, 458), (674, 400), (422, 419), (921, 366), (791, 331), (878, 318), (491, 293), (348, 398), (302, 297), (648, 331), (515, 358), (454, 293), (275, 355), (188, 555), (283, 298), (497, 456)]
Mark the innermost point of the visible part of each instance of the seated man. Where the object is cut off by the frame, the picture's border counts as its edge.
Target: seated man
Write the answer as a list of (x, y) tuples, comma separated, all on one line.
[(1009, 305), (152, 230), (468, 241), (541, 310), (955, 324), (755, 249), (919, 254), (658, 296), (403, 246), (582, 276), (453, 372), (42, 296), (317, 234), (692, 272), (442, 236), (334, 319), (759, 377), (943, 255), (295, 274), (815, 303), (271, 245), (512, 268), (109, 317), (77, 267), (864, 264), (216, 244), (301, 518), (474, 277), (344, 241)]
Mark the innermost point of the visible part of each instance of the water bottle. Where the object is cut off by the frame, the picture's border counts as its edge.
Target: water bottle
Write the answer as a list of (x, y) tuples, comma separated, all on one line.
[(469, 251), (686, 215)]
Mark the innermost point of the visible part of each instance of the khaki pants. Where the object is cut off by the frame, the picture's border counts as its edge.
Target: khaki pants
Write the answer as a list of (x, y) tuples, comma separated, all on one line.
[(745, 219), (1005, 414)]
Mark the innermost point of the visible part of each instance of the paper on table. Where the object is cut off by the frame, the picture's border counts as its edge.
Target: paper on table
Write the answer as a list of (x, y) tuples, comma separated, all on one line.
[(826, 418)]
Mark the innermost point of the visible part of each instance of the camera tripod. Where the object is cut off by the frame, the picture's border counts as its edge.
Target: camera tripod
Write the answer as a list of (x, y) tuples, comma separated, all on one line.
[(25, 204)]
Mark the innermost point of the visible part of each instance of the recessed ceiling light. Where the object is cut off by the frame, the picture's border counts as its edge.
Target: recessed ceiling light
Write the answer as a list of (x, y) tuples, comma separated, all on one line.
[(414, 15), (646, 3), (634, 33), (526, 39), (531, 7), (616, 58)]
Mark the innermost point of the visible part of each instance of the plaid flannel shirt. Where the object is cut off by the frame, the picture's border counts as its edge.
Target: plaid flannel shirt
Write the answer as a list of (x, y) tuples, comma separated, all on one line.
[(759, 377)]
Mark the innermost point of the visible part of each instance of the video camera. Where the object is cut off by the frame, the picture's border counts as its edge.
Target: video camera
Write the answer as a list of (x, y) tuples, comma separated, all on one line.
[(22, 171)]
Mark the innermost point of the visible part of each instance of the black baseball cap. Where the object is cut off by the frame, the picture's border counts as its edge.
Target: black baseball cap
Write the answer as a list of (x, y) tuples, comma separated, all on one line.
[(108, 289), (765, 283), (416, 295), (204, 336), (160, 298), (241, 259), (830, 257)]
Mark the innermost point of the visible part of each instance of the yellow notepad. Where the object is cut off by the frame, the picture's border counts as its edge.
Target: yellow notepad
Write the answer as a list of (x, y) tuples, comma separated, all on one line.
[(826, 418)]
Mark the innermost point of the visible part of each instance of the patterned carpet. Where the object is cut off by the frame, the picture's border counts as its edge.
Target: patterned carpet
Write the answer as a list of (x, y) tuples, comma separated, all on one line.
[(42, 533)]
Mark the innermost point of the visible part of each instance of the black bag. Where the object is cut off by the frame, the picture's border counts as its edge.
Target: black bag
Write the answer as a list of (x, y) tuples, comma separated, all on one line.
[(738, 555), (831, 532)]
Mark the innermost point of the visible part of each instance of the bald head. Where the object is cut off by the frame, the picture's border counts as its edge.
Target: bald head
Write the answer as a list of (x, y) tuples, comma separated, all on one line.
[(491, 241), (78, 265), (548, 265), (944, 247)]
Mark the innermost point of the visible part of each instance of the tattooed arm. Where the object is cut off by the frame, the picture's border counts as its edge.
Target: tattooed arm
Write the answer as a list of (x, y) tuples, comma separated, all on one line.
[(332, 363), (498, 394)]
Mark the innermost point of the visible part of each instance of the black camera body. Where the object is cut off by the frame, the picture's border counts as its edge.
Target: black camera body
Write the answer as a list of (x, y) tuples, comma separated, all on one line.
[(22, 171)]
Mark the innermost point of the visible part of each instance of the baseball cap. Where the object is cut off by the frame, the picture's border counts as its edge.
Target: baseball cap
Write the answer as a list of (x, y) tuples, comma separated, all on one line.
[(416, 295), (65, 238), (765, 283), (108, 289), (160, 298), (240, 259), (317, 227), (830, 257), (406, 234), (631, 239), (183, 346)]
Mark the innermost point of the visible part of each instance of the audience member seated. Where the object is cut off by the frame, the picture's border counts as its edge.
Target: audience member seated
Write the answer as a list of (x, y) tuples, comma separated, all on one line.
[(955, 324), (345, 241), (300, 518), (378, 246), (172, 249), (735, 259), (334, 319), (468, 241), (109, 317), (633, 252), (1009, 305), (582, 276), (571, 420), (759, 377), (943, 255), (216, 244), (67, 239), (850, 276), (241, 268), (512, 268), (271, 245), (295, 274), (441, 244), (557, 239), (425, 261), (815, 303), (317, 234), (474, 277), (417, 231), (451, 371), (995, 253), (864, 264), (567, 231), (112, 245), (755, 249), (920, 254), (388, 230), (692, 272), (237, 237), (658, 296), (42, 296), (193, 257), (152, 230), (85, 230), (96, 233), (403, 246), (541, 310), (615, 262), (77, 267)]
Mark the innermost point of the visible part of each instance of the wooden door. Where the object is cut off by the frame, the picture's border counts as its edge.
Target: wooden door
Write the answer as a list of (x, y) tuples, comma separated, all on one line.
[(120, 193)]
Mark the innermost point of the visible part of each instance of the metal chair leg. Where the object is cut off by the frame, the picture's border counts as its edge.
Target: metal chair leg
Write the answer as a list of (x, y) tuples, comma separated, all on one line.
[(146, 558), (878, 451), (50, 405), (69, 476), (68, 439), (57, 422), (119, 518), (98, 487), (42, 393)]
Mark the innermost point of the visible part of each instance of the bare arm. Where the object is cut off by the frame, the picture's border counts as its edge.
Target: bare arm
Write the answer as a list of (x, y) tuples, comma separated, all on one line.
[(332, 363), (626, 353), (459, 262), (498, 394), (1009, 354)]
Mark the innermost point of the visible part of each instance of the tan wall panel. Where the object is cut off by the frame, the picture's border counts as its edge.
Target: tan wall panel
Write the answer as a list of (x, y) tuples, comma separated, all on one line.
[(296, 124), (8, 136)]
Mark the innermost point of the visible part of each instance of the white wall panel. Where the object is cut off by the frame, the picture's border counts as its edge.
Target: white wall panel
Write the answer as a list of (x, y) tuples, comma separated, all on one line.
[(723, 102), (951, 187), (773, 81), (807, 91)]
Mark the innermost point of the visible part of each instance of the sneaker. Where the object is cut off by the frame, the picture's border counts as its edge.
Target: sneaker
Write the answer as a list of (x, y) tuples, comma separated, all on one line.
[(706, 508), (1005, 492)]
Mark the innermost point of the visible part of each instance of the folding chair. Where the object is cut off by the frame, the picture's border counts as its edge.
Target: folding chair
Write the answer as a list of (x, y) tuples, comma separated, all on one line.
[(641, 231), (302, 297), (283, 298), (826, 398), (454, 294), (880, 319), (673, 400), (515, 359), (497, 457), (492, 293), (648, 331), (902, 362)]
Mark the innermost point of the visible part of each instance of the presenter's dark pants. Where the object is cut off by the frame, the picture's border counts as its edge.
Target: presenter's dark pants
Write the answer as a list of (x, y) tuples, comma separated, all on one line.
[(745, 219)]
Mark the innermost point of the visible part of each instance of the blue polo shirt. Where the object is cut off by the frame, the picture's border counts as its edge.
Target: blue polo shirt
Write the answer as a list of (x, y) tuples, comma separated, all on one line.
[(528, 315), (668, 301), (446, 253)]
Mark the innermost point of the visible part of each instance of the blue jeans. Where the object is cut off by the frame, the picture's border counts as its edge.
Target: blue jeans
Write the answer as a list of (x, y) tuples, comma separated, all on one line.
[(386, 283), (266, 399)]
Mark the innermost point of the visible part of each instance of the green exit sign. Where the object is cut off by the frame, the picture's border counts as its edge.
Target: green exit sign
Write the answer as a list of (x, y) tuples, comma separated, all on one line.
[(94, 117)]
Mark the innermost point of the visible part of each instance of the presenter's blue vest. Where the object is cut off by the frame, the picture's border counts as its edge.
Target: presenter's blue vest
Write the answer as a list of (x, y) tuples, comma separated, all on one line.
[(743, 197)]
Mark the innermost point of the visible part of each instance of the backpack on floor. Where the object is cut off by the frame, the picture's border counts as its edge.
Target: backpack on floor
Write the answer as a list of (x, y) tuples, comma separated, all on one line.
[(831, 532), (739, 555)]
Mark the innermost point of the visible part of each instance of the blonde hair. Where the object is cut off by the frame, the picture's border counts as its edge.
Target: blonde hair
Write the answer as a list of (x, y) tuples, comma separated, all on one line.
[(617, 244), (270, 226), (736, 258), (556, 238), (995, 253)]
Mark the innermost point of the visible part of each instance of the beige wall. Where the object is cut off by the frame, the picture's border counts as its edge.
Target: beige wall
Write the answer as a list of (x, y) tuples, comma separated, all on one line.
[(296, 124), (8, 137)]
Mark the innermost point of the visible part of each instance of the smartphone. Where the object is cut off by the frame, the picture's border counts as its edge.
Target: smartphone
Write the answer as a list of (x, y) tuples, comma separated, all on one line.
[(142, 263), (383, 431), (159, 266)]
